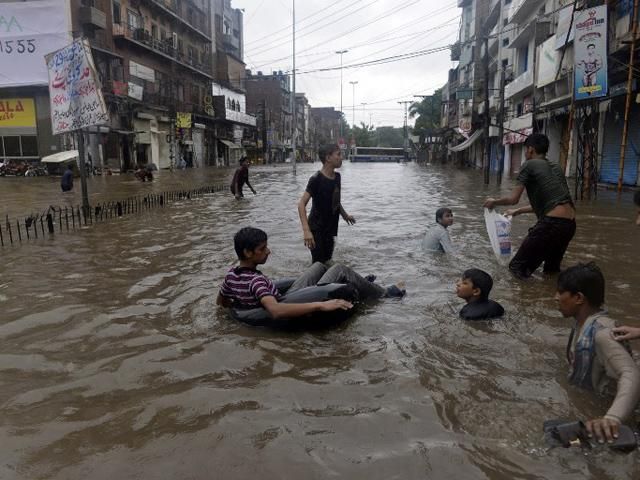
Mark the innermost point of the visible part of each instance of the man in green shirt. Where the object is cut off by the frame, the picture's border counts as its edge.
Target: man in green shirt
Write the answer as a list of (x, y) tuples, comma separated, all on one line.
[(551, 201)]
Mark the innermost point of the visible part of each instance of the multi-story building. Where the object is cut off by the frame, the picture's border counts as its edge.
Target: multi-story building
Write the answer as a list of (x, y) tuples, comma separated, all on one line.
[(303, 128), (269, 97), (153, 59), (234, 127), (326, 123)]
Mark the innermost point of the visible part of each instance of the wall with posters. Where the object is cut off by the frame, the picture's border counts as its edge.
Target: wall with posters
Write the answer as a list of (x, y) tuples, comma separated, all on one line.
[(591, 53)]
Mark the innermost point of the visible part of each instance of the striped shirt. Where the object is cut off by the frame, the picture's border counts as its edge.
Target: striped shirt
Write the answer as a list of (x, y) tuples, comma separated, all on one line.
[(246, 287)]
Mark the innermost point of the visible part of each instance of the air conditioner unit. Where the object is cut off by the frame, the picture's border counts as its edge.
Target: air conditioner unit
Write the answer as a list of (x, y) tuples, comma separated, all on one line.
[(174, 40)]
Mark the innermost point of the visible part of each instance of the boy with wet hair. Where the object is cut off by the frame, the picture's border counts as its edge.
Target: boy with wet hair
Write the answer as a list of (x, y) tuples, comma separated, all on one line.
[(324, 186), (474, 287), (437, 238), (247, 287), (595, 358), (550, 200)]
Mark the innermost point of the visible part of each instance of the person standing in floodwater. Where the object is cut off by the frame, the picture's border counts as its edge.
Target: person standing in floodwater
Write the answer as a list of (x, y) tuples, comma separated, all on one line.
[(240, 178), (324, 186), (67, 179), (551, 201)]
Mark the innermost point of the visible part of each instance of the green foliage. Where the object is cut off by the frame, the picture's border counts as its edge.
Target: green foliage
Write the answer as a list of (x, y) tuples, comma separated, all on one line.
[(389, 137), (427, 112)]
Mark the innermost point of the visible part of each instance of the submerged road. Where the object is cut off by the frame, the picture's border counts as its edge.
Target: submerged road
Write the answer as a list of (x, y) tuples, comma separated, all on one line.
[(116, 363)]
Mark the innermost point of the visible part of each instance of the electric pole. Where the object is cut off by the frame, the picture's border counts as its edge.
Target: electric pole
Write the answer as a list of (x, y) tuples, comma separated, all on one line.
[(406, 127), (353, 84), (501, 126), (295, 107), (487, 115)]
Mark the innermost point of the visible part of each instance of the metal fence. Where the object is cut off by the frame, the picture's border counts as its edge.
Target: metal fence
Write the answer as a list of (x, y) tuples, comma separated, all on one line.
[(65, 219)]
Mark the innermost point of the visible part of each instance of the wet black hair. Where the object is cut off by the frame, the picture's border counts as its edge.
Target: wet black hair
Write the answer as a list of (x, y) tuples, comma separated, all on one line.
[(440, 213), (248, 238), (326, 150), (636, 198), (539, 142), (585, 278), (591, 45), (243, 159), (481, 280)]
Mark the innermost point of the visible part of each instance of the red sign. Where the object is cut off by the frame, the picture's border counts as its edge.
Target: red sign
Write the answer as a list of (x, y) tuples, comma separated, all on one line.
[(120, 88)]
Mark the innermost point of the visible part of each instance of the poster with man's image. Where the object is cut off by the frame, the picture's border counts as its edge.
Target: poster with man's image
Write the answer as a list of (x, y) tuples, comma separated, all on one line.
[(591, 53)]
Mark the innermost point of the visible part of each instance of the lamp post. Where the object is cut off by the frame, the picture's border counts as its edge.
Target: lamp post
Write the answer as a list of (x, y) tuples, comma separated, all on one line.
[(341, 52), (295, 119)]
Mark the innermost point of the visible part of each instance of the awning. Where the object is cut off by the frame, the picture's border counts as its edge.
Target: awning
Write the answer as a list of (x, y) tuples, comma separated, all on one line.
[(467, 143), (230, 144), (61, 157)]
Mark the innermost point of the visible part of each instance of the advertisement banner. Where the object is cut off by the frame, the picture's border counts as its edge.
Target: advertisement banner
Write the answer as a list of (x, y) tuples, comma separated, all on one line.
[(135, 91), (75, 95), (548, 61), (28, 31), (17, 112), (183, 120), (591, 53)]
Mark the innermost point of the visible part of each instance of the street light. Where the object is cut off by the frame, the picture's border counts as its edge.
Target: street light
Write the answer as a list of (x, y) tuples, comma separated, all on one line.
[(341, 52), (364, 113)]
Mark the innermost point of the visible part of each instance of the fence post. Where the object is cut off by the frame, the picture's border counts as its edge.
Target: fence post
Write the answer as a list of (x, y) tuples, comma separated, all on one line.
[(9, 229), (73, 218), (66, 217), (42, 225), (50, 223), (1, 238), (19, 233), (26, 227)]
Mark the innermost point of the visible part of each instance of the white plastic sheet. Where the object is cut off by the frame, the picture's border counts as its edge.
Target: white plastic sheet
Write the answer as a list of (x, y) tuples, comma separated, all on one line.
[(499, 230)]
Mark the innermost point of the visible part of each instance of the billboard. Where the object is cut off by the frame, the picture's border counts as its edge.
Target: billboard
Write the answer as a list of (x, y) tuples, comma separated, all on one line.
[(75, 95), (28, 31), (17, 112), (590, 43)]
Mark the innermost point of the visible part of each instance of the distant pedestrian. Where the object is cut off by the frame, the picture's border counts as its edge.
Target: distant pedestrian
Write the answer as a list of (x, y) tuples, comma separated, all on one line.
[(636, 200), (321, 228), (67, 179), (240, 178), (551, 201)]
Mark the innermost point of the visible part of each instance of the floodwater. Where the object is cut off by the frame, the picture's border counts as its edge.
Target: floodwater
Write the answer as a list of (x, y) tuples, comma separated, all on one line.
[(116, 363)]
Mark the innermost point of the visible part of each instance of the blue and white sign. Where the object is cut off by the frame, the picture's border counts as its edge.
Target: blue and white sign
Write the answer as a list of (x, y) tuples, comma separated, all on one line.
[(591, 53)]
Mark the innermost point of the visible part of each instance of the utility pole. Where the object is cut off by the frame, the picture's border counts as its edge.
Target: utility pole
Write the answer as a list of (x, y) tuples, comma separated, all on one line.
[(295, 107), (501, 126), (353, 84), (341, 52), (487, 115), (627, 107), (406, 127)]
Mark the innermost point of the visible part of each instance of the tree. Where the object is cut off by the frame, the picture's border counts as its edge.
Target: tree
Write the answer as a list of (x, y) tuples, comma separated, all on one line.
[(363, 135), (390, 137), (428, 113)]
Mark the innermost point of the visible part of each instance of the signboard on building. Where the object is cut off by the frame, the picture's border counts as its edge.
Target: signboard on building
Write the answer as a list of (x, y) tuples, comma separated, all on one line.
[(28, 31), (75, 95), (135, 91), (564, 22), (17, 112), (590, 53), (142, 72), (120, 88), (548, 61), (183, 120)]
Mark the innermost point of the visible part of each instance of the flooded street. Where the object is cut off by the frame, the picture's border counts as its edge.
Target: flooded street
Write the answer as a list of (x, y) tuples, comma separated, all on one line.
[(116, 363)]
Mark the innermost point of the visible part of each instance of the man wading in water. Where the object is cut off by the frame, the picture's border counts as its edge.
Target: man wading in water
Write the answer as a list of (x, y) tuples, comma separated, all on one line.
[(551, 201)]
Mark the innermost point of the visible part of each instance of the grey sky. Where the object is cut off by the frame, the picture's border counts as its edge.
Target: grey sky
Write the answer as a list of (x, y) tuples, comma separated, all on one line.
[(371, 30)]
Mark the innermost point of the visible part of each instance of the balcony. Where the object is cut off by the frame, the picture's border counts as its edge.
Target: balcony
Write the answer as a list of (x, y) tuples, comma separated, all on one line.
[(164, 48), (494, 39), (494, 14), (92, 17), (521, 10), (170, 7), (522, 83), (456, 50)]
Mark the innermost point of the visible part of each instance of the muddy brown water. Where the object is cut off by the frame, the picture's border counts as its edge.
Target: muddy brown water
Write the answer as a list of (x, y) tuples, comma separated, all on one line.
[(116, 363)]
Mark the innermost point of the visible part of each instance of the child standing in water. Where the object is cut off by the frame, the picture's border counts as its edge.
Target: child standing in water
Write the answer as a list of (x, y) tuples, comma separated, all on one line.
[(437, 237), (474, 287), (321, 228)]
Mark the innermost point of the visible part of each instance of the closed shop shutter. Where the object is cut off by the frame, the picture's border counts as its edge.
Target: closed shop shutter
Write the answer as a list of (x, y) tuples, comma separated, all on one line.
[(610, 165)]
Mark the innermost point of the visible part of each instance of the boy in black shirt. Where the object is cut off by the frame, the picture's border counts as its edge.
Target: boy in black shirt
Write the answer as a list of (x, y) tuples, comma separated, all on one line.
[(321, 228), (474, 287)]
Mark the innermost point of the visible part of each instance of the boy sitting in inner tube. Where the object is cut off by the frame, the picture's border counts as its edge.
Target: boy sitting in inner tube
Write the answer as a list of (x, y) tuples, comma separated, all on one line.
[(246, 287)]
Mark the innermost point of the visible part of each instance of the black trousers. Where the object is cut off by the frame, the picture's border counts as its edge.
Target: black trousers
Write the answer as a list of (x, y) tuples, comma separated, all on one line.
[(546, 242), (323, 251)]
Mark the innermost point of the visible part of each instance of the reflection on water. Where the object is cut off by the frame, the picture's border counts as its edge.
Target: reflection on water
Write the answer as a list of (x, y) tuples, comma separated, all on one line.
[(117, 364)]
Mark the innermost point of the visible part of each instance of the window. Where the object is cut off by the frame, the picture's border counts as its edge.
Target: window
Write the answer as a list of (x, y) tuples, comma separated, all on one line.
[(505, 42), (133, 20), (236, 33), (29, 146), (116, 12), (12, 146), (154, 31)]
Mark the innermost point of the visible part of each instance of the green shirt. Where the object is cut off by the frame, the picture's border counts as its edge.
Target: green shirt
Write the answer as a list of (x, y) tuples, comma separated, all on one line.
[(546, 185)]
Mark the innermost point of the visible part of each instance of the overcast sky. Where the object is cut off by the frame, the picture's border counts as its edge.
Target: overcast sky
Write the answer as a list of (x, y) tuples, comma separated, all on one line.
[(370, 30)]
